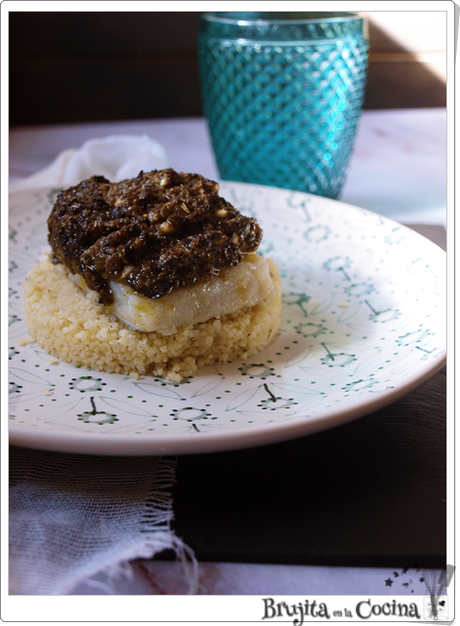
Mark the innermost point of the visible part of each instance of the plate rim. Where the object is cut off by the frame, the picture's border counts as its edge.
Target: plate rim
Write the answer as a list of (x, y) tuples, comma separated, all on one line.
[(164, 445)]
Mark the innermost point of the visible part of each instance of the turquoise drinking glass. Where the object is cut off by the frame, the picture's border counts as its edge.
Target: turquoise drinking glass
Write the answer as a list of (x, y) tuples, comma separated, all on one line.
[(282, 95)]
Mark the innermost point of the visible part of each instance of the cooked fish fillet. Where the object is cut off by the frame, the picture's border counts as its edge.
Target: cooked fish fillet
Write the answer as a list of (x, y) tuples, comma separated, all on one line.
[(232, 289)]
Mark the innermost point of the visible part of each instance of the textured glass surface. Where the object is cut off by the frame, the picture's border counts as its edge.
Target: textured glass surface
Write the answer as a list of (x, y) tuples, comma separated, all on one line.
[(283, 98)]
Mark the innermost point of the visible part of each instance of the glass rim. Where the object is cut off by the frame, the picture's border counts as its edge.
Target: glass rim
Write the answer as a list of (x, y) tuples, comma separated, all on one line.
[(224, 17)]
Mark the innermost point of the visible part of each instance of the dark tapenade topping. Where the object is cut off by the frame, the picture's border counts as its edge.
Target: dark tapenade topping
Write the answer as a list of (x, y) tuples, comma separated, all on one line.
[(155, 232)]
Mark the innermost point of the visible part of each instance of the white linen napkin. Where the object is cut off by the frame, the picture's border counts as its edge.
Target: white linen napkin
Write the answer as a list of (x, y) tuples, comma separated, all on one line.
[(116, 157), (74, 516)]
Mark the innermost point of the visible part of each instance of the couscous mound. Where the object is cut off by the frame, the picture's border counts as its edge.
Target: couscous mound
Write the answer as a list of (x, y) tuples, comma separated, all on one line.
[(71, 325)]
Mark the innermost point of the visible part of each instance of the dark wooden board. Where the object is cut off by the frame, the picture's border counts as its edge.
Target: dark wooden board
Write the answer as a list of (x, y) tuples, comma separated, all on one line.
[(368, 493)]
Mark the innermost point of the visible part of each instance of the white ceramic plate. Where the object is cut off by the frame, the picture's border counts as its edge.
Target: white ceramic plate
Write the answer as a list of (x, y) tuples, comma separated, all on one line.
[(363, 323)]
